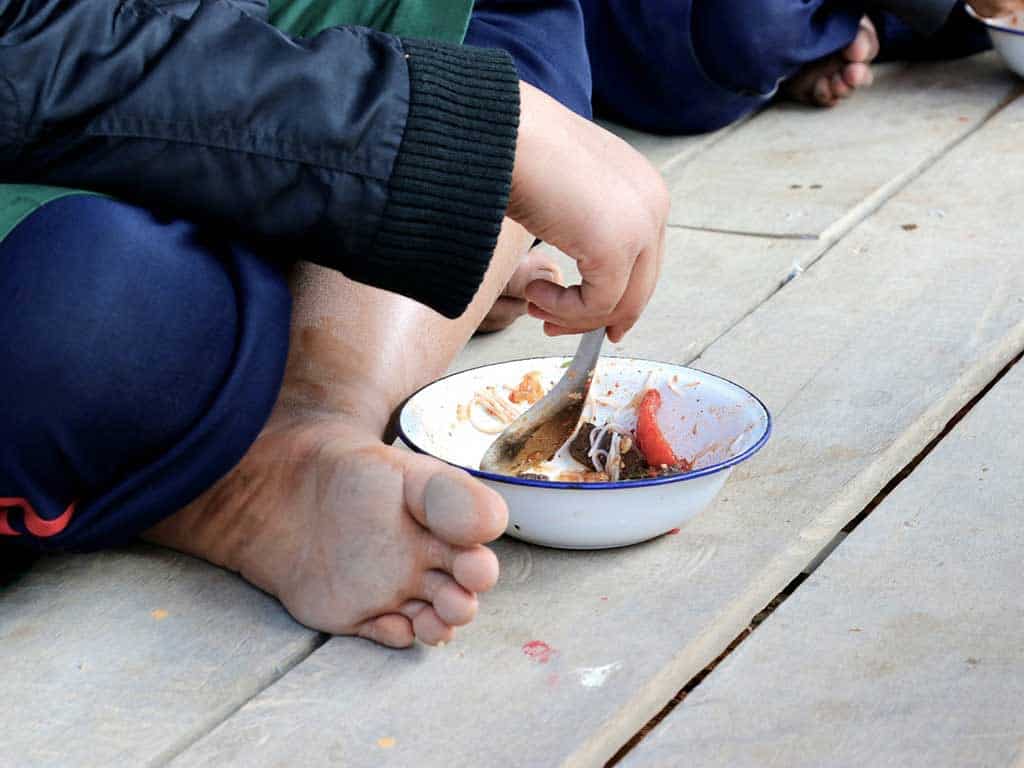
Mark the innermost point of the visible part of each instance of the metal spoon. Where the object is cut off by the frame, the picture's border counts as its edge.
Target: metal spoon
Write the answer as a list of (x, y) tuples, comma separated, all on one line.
[(552, 419)]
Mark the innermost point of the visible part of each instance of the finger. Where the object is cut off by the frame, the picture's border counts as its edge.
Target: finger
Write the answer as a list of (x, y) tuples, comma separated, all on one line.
[(550, 321), (553, 330), (641, 287), (590, 302), (538, 264)]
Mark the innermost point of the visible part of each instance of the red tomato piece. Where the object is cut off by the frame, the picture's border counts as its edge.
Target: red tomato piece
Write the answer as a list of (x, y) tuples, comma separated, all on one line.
[(649, 437)]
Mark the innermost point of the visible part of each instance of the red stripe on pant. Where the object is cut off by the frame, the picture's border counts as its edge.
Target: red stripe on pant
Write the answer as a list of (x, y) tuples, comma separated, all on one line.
[(35, 525)]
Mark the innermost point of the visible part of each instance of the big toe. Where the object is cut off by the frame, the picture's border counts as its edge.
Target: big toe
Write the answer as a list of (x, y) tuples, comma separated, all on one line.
[(864, 47), (458, 509)]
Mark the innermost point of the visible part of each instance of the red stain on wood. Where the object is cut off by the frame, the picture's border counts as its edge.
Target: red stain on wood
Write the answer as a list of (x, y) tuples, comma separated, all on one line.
[(539, 651)]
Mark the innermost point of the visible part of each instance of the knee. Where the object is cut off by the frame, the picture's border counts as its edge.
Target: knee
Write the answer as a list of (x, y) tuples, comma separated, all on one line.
[(111, 323)]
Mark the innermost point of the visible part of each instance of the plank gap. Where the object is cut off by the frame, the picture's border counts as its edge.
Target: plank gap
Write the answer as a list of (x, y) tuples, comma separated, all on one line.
[(908, 470), (746, 233), (793, 585), (696, 680), (876, 200), (178, 749)]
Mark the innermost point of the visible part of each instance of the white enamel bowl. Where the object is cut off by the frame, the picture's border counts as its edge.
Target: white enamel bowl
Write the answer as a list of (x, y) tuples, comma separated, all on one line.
[(707, 419), (1007, 35)]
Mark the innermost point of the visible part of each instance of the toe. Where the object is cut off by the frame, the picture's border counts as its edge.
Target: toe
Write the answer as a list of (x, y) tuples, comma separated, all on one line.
[(822, 93), (864, 47), (476, 569), (393, 630), (427, 625), (839, 87), (453, 604), (455, 507), (857, 75)]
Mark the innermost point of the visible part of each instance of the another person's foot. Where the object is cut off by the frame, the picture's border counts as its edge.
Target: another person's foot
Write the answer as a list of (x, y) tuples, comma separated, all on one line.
[(537, 264), (824, 83), (354, 537)]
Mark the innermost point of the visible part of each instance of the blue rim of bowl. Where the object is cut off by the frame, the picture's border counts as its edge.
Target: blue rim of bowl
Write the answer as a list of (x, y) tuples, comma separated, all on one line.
[(992, 23), (622, 484)]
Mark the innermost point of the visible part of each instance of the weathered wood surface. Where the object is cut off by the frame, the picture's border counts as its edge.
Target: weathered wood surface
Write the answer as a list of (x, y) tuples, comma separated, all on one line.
[(665, 152), (802, 172), (140, 686), (904, 649), (125, 658), (862, 359)]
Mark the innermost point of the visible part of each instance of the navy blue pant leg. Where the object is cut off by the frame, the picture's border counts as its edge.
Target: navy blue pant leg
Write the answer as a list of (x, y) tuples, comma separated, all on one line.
[(546, 40), (690, 66), (141, 357)]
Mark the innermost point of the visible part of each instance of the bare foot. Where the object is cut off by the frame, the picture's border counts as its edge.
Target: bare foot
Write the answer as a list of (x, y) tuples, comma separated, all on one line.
[(354, 537), (537, 264), (824, 83)]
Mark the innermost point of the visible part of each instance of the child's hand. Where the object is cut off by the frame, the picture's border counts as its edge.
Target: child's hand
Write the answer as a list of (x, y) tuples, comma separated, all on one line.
[(994, 8), (538, 264), (588, 193)]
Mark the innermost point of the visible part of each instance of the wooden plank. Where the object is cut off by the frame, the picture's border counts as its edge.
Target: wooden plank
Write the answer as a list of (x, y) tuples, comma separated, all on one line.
[(668, 151), (124, 658), (904, 649), (160, 682), (800, 172), (862, 359)]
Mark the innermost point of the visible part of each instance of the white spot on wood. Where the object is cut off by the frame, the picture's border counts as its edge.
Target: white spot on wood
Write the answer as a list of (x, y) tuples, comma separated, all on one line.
[(596, 677)]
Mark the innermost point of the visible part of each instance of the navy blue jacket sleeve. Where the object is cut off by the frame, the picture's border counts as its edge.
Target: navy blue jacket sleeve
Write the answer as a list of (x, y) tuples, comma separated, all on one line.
[(388, 159)]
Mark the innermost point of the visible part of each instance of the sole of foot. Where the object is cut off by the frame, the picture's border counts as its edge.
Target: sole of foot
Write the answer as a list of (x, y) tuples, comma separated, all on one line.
[(354, 537)]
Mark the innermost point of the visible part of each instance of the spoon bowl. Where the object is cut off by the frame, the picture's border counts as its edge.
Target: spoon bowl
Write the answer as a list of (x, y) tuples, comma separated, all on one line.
[(543, 428)]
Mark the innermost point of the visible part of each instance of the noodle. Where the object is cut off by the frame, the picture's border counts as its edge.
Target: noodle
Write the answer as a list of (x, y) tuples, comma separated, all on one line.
[(495, 407)]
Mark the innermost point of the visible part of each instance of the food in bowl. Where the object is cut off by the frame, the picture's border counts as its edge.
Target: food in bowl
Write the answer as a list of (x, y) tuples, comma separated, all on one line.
[(710, 422), (629, 445)]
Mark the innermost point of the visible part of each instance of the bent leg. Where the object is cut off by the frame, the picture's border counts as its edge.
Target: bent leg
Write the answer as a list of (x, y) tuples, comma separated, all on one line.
[(362, 351), (679, 66), (141, 359), (352, 535)]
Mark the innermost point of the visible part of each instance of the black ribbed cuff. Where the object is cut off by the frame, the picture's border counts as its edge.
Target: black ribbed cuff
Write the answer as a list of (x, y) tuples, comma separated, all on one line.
[(450, 184)]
